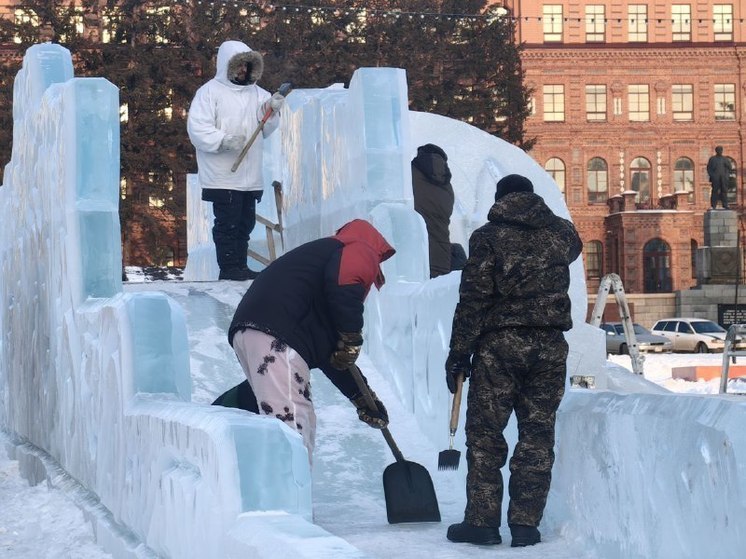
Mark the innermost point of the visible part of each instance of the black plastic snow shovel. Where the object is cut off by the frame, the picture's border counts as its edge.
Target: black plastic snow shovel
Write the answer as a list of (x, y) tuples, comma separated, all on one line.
[(407, 486)]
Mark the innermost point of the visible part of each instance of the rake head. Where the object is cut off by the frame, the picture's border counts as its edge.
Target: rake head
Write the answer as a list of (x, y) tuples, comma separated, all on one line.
[(449, 459)]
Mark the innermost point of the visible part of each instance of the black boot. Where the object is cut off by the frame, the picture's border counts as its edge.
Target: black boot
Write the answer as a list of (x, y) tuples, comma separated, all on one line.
[(480, 535), (523, 536), (237, 275), (241, 250), (230, 262)]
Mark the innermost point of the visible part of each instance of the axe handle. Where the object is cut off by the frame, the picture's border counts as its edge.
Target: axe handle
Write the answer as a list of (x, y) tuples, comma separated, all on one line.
[(285, 88), (245, 149)]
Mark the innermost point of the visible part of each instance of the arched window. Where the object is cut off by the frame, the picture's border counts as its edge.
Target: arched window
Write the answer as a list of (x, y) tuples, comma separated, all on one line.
[(556, 168), (593, 259), (732, 183), (656, 265), (640, 179), (683, 177), (598, 181)]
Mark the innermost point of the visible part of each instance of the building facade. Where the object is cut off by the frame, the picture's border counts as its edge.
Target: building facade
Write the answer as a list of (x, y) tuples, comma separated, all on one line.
[(629, 101)]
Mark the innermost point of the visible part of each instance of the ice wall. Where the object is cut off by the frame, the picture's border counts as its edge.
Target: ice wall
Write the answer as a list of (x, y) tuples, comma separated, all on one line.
[(94, 383)]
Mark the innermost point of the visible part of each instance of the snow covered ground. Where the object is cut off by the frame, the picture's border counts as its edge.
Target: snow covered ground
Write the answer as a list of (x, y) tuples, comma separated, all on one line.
[(43, 522)]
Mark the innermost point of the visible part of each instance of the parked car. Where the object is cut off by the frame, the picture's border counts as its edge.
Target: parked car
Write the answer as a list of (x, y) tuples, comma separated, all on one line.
[(616, 341), (694, 334)]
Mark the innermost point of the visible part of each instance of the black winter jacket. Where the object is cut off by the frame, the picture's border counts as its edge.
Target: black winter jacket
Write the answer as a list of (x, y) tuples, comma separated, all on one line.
[(433, 200), (517, 273), (315, 291)]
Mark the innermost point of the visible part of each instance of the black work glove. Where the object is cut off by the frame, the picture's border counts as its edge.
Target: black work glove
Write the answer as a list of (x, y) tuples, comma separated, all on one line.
[(348, 349), (457, 364), (378, 419)]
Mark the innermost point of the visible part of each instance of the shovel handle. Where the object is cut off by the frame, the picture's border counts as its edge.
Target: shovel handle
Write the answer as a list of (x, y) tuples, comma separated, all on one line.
[(370, 402), (456, 407)]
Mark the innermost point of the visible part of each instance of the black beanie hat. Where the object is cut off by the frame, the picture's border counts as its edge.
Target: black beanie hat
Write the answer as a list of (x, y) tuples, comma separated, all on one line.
[(432, 148), (512, 183)]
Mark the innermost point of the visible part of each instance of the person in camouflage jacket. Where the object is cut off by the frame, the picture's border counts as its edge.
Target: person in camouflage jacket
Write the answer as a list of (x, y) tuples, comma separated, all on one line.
[(508, 336)]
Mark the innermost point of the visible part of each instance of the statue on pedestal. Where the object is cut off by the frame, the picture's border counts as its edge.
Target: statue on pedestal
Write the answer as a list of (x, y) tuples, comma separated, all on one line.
[(718, 170)]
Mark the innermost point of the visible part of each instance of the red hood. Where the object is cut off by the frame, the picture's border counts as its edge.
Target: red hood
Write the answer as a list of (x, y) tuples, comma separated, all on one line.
[(359, 230)]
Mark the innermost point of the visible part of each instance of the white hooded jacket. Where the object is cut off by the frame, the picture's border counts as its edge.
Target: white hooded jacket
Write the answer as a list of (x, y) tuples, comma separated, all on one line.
[(222, 108)]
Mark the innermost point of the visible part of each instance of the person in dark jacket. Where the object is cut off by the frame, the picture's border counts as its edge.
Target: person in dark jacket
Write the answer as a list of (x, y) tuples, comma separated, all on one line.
[(305, 311), (433, 200), (508, 336)]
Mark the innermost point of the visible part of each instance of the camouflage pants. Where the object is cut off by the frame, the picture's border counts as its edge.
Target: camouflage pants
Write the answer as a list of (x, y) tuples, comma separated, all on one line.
[(519, 370)]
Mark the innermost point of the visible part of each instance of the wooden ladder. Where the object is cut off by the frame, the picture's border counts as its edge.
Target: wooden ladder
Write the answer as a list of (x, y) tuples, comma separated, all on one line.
[(270, 227)]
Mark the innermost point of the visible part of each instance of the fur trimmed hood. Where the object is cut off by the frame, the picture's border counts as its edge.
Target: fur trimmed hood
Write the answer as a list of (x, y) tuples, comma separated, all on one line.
[(233, 54)]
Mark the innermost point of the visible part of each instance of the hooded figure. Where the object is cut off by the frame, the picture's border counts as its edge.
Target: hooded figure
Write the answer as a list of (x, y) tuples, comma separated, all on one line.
[(508, 338), (305, 311), (223, 114), (433, 200)]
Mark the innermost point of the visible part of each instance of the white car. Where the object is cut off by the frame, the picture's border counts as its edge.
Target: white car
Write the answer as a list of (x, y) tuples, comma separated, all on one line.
[(693, 334)]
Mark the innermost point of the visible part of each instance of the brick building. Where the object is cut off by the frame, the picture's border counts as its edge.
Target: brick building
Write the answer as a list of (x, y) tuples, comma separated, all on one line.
[(630, 100)]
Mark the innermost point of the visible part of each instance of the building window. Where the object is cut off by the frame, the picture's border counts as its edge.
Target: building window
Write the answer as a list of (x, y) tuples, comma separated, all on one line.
[(595, 103), (552, 22), (163, 14), (27, 19), (732, 182), (637, 23), (598, 181), (77, 25), (725, 101), (639, 103), (682, 102), (683, 177), (656, 265), (595, 23), (681, 19), (554, 103), (556, 168), (112, 28), (639, 177), (593, 259), (722, 16)]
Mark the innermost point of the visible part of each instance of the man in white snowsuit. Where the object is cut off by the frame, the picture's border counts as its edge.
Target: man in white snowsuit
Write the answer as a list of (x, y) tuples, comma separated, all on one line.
[(224, 113)]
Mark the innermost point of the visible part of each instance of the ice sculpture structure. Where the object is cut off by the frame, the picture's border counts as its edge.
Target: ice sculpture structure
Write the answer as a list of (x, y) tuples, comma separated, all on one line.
[(95, 383)]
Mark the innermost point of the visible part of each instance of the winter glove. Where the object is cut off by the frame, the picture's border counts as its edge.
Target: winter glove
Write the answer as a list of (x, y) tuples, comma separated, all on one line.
[(457, 364), (348, 348), (276, 101), (232, 142), (378, 419), (273, 104)]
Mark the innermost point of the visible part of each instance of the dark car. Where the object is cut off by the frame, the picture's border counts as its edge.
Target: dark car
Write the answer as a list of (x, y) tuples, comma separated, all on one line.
[(616, 341)]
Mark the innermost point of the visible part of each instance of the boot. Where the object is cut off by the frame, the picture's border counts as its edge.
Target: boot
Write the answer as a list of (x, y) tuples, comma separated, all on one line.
[(237, 275), (523, 536), (467, 533), (241, 249), (230, 262)]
